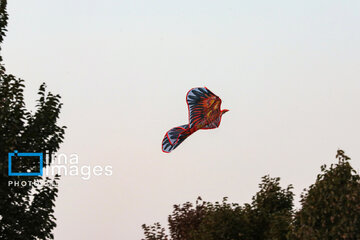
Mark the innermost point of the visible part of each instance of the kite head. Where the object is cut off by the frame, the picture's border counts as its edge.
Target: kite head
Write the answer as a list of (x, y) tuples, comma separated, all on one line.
[(224, 111)]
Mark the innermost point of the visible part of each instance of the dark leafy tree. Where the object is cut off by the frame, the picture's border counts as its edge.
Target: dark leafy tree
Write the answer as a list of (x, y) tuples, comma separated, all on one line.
[(26, 212), (222, 221), (155, 232), (186, 219), (330, 211), (267, 217), (271, 210), (331, 206)]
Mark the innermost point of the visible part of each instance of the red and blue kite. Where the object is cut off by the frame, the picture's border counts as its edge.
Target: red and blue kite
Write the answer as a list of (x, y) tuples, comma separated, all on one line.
[(204, 113)]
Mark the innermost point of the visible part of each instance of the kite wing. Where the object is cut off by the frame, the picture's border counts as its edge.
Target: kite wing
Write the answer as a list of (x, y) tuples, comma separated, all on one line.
[(203, 104), (174, 137)]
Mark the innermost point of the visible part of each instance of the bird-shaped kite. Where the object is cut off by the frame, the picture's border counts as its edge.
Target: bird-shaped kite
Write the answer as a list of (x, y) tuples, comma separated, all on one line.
[(204, 113)]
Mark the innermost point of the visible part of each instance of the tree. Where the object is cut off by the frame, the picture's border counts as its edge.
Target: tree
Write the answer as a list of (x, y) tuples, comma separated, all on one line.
[(330, 211), (331, 206), (267, 217), (271, 210), (26, 212), (222, 221)]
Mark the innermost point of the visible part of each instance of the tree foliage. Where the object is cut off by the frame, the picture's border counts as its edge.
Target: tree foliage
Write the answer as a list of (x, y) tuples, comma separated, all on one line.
[(267, 217), (331, 206), (330, 210), (26, 212)]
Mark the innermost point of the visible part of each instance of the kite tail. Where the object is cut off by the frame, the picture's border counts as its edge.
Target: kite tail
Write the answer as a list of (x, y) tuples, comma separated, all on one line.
[(174, 137)]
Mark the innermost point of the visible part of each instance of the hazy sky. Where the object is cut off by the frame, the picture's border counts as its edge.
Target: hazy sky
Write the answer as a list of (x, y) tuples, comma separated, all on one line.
[(288, 72)]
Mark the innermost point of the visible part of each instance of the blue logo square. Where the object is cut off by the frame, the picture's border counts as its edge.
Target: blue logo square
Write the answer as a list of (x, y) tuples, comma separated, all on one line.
[(15, 153)]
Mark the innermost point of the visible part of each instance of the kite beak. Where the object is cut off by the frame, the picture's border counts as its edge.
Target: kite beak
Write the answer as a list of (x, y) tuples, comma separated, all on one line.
[(224, 111)]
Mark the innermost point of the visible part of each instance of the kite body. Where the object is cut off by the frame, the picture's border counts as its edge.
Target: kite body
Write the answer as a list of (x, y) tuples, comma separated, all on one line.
[(204, 113)]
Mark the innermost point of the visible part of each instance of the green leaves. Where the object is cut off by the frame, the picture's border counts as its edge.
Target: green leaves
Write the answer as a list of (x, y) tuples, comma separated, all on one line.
[(330, 211), (3, 19), (267, 217), (331, 206), (26, 212)]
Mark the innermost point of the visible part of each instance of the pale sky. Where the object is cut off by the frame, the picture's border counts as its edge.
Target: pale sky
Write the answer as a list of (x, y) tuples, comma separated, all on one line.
[(288, 72)]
